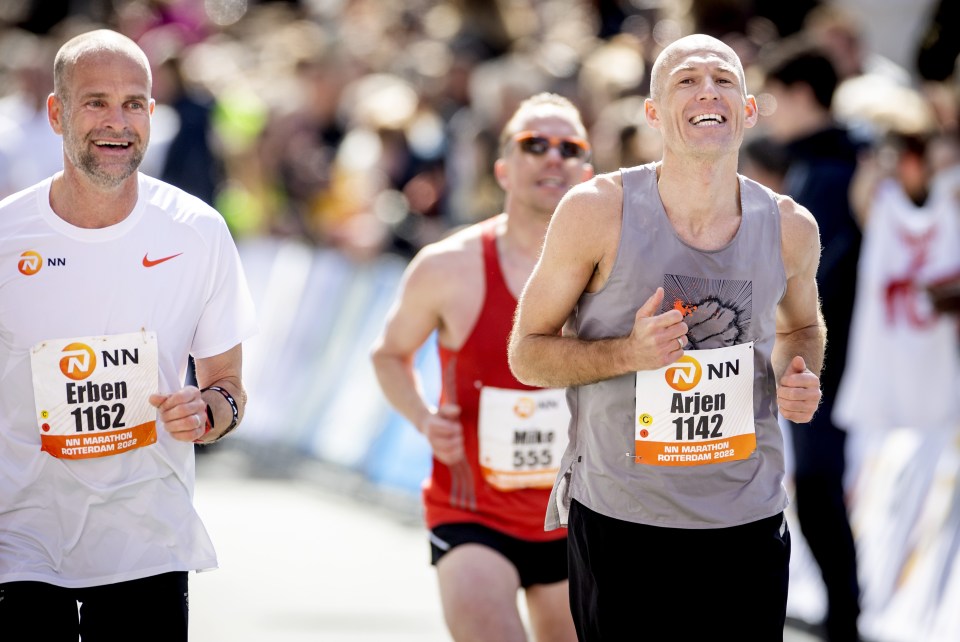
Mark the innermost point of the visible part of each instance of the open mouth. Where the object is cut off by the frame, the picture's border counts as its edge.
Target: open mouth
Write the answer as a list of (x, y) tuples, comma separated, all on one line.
[(112, 144), (552, 181), (707, 120)]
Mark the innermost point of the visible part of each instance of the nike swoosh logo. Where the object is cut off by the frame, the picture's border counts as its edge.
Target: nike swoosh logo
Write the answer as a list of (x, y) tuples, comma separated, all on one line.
[(148, 263)]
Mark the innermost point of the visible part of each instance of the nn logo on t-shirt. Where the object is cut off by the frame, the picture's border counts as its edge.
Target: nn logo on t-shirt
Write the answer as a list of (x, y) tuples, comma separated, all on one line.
[(30, 263), (78, 361)]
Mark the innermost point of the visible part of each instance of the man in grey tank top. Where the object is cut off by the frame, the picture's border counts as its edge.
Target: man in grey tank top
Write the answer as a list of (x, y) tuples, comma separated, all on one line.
[(688, 304)]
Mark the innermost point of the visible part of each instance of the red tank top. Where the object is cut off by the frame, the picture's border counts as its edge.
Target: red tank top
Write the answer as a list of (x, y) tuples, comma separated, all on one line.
[(482, 361)]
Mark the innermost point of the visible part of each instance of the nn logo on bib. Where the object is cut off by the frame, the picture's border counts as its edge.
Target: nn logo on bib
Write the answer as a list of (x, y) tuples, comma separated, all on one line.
[(525, 407), (78, 361), (684, 374)]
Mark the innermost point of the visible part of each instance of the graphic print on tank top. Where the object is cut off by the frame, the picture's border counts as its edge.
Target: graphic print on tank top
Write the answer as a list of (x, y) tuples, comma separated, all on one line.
[(716, 311), (699, 409)]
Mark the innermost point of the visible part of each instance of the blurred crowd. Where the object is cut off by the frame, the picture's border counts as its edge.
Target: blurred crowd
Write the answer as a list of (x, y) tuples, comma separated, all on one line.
[(372, 126)]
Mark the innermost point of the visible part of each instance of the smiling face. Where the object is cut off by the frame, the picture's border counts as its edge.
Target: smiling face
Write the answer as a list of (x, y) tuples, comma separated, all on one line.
[(699, 102), (536, 179), (103, 110)]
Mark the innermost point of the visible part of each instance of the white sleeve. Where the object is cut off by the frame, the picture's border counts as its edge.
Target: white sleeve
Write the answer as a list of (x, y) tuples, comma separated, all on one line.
[(228, 315)]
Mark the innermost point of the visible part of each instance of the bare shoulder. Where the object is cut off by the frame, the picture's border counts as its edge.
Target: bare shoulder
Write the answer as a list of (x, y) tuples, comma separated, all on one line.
[(797, 223), (590, 212), (450, 256), (598, 198), (800, 235), (584, 232)]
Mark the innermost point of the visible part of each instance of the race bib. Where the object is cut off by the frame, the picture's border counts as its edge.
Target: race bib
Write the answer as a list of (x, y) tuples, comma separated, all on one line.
[(697, 410), (523, 434), (92, 394)]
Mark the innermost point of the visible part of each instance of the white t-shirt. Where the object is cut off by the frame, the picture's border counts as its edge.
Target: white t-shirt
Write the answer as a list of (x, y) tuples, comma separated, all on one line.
[(903, 362), (170, 268)]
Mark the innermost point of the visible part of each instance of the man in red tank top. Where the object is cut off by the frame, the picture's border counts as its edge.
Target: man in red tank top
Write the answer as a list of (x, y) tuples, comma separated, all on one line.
[(496, 442)]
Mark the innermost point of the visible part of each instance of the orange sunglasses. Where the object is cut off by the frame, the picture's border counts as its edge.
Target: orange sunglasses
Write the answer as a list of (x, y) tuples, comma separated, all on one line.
[(538, 144)]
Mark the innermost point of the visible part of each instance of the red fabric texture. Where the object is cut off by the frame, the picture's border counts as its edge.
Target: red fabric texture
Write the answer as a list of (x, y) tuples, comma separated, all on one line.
[(482, 361)]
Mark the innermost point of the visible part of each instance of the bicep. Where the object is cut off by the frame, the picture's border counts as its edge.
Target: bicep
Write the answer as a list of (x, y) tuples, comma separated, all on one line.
[(567, 263), (413, 316), (800, 306)]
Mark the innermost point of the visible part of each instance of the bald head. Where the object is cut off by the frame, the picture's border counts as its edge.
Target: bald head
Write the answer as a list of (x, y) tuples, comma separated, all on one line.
[(696, 43), (94, 43)]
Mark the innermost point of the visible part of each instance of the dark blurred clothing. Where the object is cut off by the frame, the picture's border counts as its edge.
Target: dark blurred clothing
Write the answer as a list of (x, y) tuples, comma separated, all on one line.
[(821, 167), (940, 46), (190, 163)]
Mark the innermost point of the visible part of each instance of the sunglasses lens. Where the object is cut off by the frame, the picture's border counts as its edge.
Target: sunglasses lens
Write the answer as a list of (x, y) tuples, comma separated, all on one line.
[(570, 149), (536, 145), (540, 145)]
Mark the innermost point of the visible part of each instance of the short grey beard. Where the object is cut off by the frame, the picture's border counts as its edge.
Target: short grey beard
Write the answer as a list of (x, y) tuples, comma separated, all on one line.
[(88, 165)]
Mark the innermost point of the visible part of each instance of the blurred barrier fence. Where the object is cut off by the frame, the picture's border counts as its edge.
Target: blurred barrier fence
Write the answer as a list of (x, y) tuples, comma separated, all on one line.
[(312, 387), (904, 502), (313, 391)]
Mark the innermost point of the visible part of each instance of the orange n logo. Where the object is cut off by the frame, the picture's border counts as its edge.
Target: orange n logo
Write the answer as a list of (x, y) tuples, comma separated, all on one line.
[(524, 407), (78, 361), (30, 263), (684, 374)]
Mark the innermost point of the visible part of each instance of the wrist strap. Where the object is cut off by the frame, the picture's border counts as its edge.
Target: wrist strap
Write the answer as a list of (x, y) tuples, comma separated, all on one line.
[(233, 407)]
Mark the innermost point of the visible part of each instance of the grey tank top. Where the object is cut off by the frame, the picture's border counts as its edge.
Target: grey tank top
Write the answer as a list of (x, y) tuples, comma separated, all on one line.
[(733, 292)]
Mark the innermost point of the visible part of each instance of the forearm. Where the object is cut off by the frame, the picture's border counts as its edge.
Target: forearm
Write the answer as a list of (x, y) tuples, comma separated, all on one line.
[(401, 387), (221, 391), (809, 343), (221, 410), (552, 361)]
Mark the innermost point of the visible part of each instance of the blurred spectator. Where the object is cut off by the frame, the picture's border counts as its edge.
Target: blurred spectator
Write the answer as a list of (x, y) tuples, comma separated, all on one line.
[(29, 149), (866, 79), (367, 126), (839, 34), (623, 138), (720, 18), (940, 46), (38, 16), (907, 193), (765, 161), (821, 157), (610, 72), (937, 57), (301, 137), (190, 162)]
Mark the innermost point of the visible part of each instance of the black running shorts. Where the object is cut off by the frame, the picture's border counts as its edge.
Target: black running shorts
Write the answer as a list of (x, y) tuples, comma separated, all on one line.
[(536, 562)]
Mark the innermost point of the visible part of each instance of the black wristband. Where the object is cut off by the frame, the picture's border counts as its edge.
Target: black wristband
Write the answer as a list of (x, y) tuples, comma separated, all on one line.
[(233, 406)]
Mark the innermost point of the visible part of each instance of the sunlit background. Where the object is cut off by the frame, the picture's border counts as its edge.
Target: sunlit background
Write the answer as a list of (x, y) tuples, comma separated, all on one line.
[(338, 137)]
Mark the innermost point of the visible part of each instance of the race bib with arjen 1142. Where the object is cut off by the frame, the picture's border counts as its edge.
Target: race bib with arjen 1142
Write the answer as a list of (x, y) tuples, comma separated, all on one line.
[(697, 410)]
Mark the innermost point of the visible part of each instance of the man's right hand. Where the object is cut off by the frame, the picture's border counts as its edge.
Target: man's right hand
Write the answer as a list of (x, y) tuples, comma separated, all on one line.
[(656, 339), (445, 434)]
